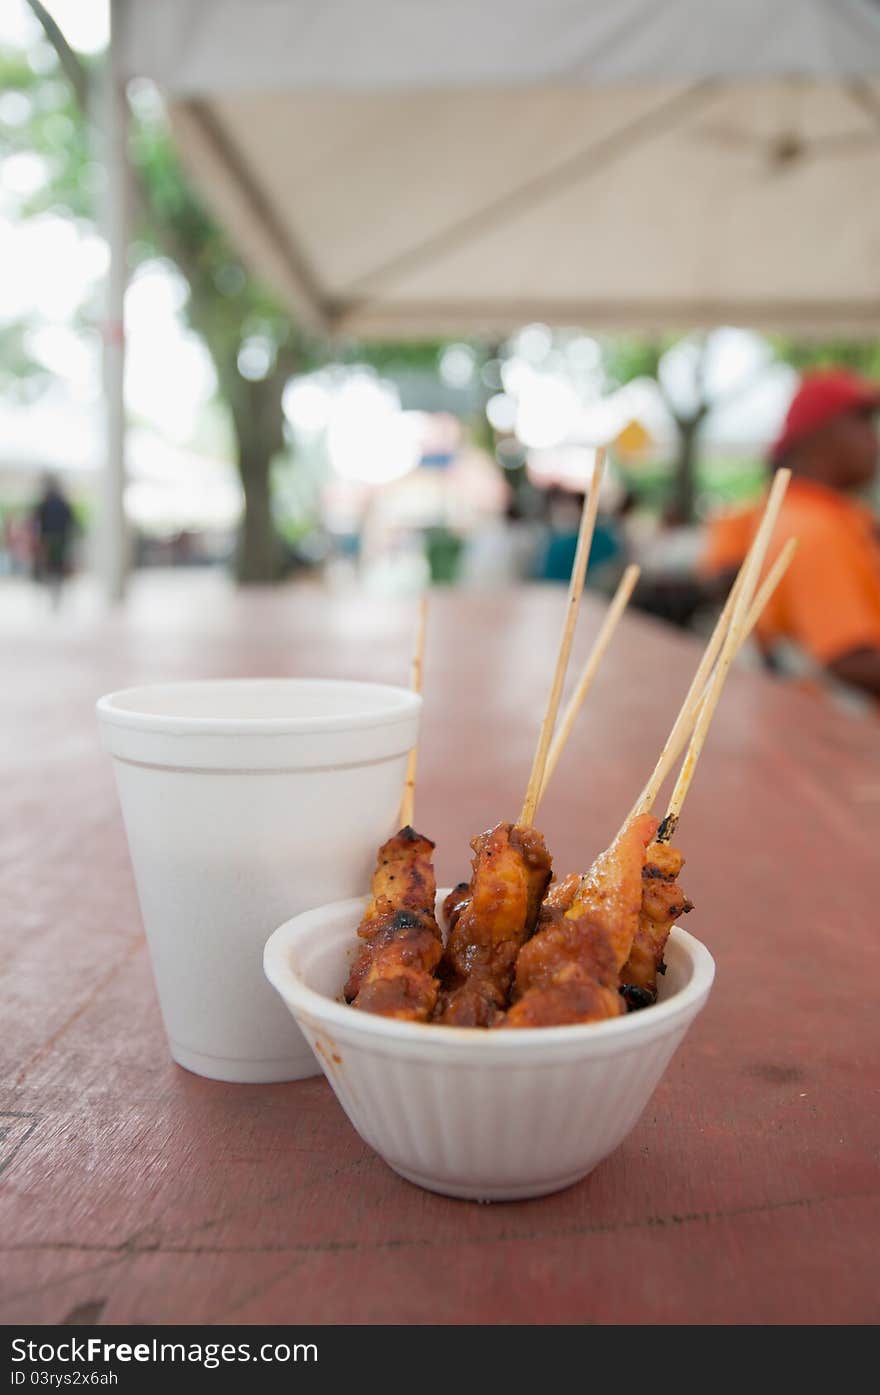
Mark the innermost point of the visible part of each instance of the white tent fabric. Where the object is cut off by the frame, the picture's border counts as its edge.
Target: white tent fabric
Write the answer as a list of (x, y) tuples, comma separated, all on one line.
[(440, 166)]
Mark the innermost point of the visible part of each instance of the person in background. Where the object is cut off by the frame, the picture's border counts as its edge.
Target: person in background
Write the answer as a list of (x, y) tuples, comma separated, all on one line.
[(53, 527), (828, 603), (564, 508)]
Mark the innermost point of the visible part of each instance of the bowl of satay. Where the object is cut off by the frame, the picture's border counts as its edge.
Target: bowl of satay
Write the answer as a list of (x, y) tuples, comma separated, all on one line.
[(498, 1039)]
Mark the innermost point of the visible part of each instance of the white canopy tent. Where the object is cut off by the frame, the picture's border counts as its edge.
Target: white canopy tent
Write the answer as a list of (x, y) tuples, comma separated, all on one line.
[(403, 167), (426, 166)]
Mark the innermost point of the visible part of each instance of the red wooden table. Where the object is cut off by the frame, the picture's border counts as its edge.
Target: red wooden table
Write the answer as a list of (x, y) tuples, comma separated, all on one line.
[(132, 1191)]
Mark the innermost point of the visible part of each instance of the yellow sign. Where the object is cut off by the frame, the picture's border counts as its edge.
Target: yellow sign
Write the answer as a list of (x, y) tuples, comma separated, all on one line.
[(633, 440)]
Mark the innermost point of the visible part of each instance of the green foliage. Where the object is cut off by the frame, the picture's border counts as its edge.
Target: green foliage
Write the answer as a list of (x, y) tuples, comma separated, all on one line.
[(726, 480), (54, 130), (21, 376), (232, 311), (225, 305), (389, 358), (626, 357), (861, 356)]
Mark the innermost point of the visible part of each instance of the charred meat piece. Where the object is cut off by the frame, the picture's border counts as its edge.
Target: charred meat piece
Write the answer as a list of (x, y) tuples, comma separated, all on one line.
[(663, 901), (570, 971), (394, 974), (636, 998), (511, 870)]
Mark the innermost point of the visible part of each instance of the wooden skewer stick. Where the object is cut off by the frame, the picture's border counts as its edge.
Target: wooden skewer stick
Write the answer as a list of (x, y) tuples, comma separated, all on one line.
[(768, 586), (765, 591), (590, 669), (408, 802), (684, 722), (575, 592), (732, 642)]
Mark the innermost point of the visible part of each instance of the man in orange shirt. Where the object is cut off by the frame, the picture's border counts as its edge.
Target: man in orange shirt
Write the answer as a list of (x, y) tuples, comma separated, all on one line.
[(829, 599)]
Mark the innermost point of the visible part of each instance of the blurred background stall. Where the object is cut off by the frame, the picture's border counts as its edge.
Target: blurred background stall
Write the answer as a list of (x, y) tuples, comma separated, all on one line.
[(386, 289)]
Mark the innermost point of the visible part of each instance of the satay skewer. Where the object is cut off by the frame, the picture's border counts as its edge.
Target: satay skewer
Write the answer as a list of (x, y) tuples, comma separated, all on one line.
[(573, 967), (394, 973), (663, 900), (575, 593), (732, 641), (687, 715), (408, 801), (588, 673), (583, 958), (685, 721), (511, 865)]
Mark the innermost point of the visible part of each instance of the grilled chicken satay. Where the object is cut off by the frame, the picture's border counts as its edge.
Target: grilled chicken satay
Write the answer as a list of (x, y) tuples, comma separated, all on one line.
[(500, 914), (559, 894), (511, 872), (394, 972), (569, 972), (663, 901)]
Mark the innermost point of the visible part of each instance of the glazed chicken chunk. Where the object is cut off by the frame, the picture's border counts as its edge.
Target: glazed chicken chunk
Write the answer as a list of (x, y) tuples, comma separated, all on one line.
[(663, 901), (394, 974), (570, 971), (511, 870)]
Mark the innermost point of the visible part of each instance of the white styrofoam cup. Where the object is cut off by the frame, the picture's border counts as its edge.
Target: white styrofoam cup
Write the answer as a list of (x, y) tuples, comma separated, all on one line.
[(246, 801)]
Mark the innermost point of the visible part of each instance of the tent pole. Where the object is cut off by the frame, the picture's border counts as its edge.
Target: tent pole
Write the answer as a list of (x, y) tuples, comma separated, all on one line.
[(113, 531)]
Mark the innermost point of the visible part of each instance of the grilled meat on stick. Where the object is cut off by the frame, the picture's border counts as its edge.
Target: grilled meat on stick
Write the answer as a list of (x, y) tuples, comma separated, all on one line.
[(393, 975), (511, 872), (458, 897), (394, 972), (663, 901), (564, 939), (498, 912), (601, 938), (570, 971)]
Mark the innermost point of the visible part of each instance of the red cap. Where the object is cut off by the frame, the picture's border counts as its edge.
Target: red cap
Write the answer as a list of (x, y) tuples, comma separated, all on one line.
[(821, 397)]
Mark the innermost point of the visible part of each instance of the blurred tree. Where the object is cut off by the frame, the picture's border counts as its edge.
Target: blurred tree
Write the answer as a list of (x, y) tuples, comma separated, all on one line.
[(629, 357), (254, 346), (632, 357)]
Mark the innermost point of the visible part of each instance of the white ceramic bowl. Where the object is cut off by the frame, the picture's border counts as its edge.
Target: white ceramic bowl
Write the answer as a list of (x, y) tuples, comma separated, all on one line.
[(245, 800), (496, 1115)]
